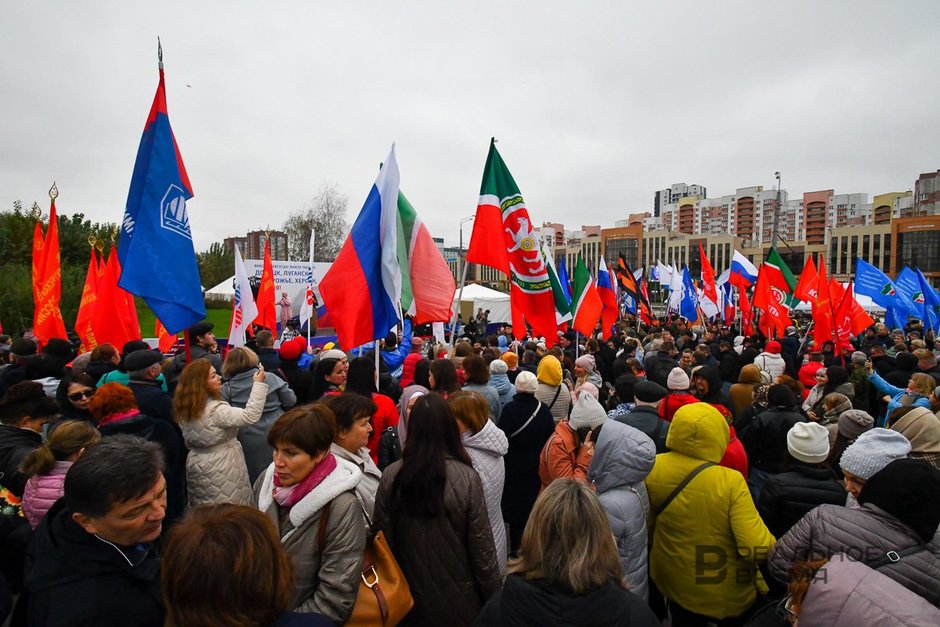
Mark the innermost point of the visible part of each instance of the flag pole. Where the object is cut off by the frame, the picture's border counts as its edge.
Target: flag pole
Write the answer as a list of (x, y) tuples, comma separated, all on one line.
[(463, 280), (377, 349)]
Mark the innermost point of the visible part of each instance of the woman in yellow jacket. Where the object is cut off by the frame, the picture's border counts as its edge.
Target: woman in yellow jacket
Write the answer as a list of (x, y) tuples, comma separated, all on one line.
[(707, 539)]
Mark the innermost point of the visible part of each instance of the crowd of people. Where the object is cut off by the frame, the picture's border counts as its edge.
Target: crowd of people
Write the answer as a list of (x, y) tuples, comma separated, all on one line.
[(672, 472)]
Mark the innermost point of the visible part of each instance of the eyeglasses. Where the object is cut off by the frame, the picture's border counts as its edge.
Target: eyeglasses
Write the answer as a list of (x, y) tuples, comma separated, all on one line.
[(80, 395)]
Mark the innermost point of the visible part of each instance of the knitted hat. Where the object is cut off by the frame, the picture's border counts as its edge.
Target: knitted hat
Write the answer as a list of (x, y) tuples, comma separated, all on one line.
[(922, 428), (498, 366), (773, 347), (528, 384), (677, 380), (511, 359), (855, 422), (808, 442), (333, 353), (907, 489), (872, 451), (587, 412), (649, 391), (587, 362), (291, 350)]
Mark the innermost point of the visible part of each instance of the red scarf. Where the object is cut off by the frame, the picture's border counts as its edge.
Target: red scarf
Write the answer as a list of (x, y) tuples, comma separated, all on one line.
[(289, 496), (115, 417)]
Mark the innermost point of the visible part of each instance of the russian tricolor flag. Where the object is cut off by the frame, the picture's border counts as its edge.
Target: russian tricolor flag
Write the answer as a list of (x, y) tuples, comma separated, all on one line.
[(361, 305), (743, 272), (605, 288)]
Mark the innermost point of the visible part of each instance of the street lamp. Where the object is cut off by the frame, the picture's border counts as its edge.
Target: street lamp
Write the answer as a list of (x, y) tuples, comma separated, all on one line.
[(460, 260), (773, 233)]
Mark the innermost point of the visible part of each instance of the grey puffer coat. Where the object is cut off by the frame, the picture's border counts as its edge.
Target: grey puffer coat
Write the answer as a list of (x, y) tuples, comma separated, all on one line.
[(486, 449), (851, 593), (866, 534), (327, 583), (215, 466), (623, 457), (449, 561), (254, 438)]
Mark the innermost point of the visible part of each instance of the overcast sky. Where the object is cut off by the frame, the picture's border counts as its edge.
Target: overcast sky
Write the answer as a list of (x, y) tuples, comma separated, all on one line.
[(595, 104)]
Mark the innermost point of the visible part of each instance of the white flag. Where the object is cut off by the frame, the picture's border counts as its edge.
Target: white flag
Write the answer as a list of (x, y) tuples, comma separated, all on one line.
[(244, 309), (307, 308), (675, 289), (665, 273)]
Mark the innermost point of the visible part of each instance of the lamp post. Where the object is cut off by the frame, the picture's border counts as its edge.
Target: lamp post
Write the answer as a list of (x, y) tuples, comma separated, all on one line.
[(460, 261), (462, 274), (773, 233)]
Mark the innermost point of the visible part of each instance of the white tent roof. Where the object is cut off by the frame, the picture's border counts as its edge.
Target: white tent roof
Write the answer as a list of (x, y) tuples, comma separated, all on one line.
[(482, 296), (225, 289)]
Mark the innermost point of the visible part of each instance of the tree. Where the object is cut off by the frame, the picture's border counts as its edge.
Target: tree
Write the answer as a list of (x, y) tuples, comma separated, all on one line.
[(215, 265), (326, 214)]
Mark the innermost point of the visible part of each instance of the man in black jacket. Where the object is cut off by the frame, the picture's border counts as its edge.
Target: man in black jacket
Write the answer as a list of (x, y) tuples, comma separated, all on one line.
[(202, 345), (91, 559), (143, 367), (645, 413), (659, 365)]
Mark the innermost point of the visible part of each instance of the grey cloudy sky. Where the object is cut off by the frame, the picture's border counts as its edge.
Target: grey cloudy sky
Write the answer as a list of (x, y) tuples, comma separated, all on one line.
[(595, 104)]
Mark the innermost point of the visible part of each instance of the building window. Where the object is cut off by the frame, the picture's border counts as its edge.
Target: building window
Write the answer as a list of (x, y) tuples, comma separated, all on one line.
[(876, 253), (853, 252)]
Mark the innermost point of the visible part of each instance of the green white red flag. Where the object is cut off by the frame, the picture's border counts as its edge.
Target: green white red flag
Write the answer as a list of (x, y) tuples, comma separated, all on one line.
[(427, 286), (503, 238), (772, 293), (585, 300)]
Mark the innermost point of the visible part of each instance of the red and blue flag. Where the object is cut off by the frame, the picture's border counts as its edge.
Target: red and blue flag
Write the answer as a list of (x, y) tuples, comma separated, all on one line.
[(605, 288), (156, 249)]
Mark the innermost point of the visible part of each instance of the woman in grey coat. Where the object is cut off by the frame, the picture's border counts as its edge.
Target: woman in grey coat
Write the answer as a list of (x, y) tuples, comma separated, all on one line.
[(623, 457), (240, 366)]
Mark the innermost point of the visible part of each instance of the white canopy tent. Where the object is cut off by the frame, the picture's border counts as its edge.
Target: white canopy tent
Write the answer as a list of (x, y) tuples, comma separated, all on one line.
[(865, 301), (480, 296)]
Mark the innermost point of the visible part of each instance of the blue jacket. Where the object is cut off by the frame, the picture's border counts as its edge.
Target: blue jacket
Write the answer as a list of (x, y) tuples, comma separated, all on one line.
[(896, 394)]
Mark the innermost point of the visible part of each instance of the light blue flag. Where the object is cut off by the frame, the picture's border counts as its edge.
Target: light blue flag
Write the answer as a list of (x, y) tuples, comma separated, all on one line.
[(931, 301), (688, 307), (875, 284)]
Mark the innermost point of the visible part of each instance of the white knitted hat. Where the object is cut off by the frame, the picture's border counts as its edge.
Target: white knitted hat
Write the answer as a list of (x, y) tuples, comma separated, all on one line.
[(808, 442), (677, 380)]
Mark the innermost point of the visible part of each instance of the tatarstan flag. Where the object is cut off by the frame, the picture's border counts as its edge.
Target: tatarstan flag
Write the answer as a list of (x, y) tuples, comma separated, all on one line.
[(772, 293), (586, 301), (504, 238)]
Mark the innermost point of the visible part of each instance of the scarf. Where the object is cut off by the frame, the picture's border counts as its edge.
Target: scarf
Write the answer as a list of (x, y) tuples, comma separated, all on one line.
[(289, 496), (115, 417)]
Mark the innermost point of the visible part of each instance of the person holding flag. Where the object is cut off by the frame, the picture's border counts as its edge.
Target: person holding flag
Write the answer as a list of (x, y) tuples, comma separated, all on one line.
[(308, 310)]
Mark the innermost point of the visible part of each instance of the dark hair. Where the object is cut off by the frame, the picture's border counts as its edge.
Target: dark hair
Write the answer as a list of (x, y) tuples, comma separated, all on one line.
[(445, 376), (26, 399), (780, 395), (433, 436), (624, 387), (348, 407), (320, 385), (475, 369), (117, 469), (667, 346), (253, 588), (360, 379), (837, 375), (311, 428), (422, 370)]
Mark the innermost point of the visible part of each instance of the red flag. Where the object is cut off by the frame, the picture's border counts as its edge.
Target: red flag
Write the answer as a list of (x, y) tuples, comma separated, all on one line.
[(822, 308), (267, 310), (166, 339), (708, 277), (38, 259), (47, 317), (83, 326), (109, 317), (770, 294), (849, 315), (806, 286)]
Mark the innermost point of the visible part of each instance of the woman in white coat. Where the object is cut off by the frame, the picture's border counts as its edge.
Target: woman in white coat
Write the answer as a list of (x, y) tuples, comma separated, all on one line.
[(486, 444), (215, 467)]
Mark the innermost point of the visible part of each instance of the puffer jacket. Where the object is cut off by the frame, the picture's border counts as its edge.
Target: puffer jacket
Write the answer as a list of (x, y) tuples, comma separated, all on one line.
[(866, 532), (254, 437), (215, 467), (42, 491), (897, 397), (714, 513), (623, 457), (673, 401), (486, 449), (773, 364), (371, 475), (851, 594), (449, 561), (562, 457), (765, 438), (505, 389), (787, 497), (741, 394), (324, 583)]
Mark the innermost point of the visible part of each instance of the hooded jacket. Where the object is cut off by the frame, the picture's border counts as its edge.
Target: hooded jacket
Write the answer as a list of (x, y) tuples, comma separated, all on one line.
[(563, 457), (787, 497), (771, 363), (714, 510), (486, 449), (765, 438), (75, 578), (553, 393), (254, 437), (506, 390), (922, 428), (741, 394), (623, 457), (325, 583), (851, 593), (523, 602)]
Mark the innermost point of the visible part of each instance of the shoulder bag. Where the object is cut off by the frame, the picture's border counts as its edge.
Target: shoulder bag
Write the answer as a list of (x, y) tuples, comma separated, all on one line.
[(526, 423)]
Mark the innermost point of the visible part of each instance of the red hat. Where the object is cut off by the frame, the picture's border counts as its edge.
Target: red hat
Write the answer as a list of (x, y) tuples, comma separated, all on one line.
[(773, 347), (293, 349)]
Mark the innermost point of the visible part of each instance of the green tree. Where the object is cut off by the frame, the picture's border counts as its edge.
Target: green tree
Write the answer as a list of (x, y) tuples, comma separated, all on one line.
[(215, 265)]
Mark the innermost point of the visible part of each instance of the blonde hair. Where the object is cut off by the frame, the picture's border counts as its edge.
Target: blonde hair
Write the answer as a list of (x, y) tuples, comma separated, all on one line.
[(470, 408), (238, 360), (65, 439), (568, 540), (923, 383)]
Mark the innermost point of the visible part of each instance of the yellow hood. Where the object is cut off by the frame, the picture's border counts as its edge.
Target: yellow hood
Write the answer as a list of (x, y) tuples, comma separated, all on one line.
[(699, 430), (549, 371)]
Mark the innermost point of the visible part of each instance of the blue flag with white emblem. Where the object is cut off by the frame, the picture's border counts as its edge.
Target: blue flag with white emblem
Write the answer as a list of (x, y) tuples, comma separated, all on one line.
[(156, 249)]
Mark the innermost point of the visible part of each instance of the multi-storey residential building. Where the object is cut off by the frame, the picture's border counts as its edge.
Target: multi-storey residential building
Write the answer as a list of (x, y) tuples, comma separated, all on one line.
[(927, 194), (674, 193), (252, 245)]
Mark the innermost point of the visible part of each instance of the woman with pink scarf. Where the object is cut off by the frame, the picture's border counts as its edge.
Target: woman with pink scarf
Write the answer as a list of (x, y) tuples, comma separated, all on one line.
[(310, 496)]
